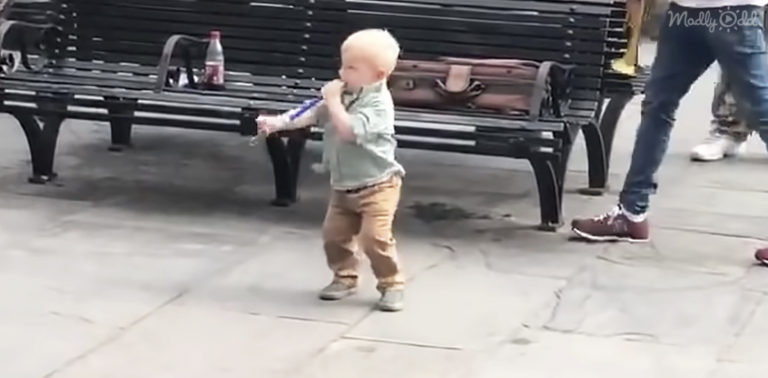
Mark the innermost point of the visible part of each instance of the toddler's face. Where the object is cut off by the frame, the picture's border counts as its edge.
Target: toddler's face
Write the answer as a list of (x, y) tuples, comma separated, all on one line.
[(357, 71)]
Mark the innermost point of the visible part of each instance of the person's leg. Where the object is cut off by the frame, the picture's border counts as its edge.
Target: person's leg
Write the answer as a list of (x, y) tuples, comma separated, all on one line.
[(378, 206), (341, 225), (729, 132), (743, 57), (761, 255), (682, 56)]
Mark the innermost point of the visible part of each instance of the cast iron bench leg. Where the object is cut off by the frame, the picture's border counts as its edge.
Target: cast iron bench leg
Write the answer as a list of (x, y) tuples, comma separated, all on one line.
[(42, 138), (286, 165), (296, 145), (121, 112), (550, 181), (599, 140), (550, 193)]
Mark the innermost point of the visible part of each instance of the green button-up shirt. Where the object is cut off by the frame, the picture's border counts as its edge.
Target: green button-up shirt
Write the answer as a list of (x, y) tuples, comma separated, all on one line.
[(370, 159)]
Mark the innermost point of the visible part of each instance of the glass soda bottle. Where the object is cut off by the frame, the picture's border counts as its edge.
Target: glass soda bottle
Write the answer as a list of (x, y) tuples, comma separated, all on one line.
[(213, 79)]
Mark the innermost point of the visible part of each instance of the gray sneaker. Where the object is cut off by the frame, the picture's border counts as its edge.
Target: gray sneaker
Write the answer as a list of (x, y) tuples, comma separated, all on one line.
[(391, 300), (337, 290)]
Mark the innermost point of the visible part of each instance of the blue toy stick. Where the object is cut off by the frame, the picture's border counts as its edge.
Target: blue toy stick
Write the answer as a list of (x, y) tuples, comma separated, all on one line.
[(305, 107)]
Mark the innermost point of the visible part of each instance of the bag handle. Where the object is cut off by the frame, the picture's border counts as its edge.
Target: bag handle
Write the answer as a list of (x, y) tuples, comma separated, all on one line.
[(458, 85)]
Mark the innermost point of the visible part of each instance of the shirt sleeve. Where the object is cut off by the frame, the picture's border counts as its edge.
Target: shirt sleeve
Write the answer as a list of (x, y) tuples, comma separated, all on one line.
[(372, 119)]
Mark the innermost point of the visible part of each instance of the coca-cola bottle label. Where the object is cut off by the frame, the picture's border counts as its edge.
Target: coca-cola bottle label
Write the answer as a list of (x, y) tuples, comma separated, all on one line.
[(214, 73)]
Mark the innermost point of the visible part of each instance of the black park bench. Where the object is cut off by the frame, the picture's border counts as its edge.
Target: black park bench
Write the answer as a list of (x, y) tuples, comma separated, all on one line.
[(118, 55), (587, 34)]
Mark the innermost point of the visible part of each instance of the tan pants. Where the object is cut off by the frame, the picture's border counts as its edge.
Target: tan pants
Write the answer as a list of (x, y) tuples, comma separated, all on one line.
[(364, 218)]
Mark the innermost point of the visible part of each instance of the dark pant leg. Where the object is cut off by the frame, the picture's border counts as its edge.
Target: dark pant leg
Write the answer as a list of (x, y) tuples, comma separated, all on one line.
[(743, 58), (682, 55), (727, 117)]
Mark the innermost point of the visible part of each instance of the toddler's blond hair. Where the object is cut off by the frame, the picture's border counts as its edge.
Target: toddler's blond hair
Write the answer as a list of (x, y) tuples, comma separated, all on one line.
[(376, 44)]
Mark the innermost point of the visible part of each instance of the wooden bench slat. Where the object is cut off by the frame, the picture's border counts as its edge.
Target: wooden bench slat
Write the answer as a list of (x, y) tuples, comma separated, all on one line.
[(472, 6), (371, 12)]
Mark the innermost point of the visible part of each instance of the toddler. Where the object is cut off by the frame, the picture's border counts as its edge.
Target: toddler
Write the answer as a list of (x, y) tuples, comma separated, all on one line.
[(358, 115)]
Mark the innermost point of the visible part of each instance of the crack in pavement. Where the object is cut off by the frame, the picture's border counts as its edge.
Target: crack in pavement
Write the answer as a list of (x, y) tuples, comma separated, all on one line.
[(234, 262)]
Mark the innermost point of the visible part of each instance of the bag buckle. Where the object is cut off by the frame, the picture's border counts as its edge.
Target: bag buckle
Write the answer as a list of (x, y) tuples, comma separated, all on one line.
[(405, 84)]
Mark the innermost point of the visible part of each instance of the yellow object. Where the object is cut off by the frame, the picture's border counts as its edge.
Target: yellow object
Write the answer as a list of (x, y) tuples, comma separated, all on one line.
[(637, 11), (620, 65)]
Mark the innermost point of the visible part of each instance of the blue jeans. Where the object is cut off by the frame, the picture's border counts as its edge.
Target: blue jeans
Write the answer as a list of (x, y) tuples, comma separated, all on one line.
[(684, 52)]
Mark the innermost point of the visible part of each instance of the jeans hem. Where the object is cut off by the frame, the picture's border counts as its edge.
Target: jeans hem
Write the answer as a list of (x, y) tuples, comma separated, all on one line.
[(631, 210)]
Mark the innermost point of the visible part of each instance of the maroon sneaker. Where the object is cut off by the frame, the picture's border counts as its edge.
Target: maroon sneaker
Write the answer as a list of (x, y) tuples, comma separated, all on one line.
[(762, 256), (611, 226)]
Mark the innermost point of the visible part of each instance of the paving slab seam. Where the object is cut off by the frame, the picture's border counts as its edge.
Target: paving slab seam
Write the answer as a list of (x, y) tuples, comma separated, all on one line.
[(680, 268), (298, 318), (555, 308), (401, 342), (713, 233), (714, 212), (111, 339), (342, 336), (488, 265), (740, 331), (635, 337), (450, 257), (72, 317), (731, 189), (230, 265), (753, 290), (306, 362)]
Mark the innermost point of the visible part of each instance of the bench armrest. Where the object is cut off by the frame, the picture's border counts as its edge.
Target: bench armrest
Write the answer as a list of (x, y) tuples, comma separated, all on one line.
[(46, 37), (5, 8), (186, 43)]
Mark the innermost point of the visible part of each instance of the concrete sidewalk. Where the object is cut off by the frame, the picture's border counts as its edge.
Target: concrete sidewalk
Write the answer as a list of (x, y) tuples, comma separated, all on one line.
[(165, 262)]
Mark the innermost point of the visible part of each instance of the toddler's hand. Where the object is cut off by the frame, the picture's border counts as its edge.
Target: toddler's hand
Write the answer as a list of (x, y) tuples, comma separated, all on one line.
[(318, 168), (268, 124), (332, 90)]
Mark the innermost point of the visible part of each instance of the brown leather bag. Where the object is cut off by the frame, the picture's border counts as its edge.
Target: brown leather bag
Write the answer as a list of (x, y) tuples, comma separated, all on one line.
[(492, 85)]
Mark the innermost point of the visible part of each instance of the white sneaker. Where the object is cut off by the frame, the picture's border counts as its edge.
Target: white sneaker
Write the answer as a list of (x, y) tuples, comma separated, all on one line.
[(717, 147)]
